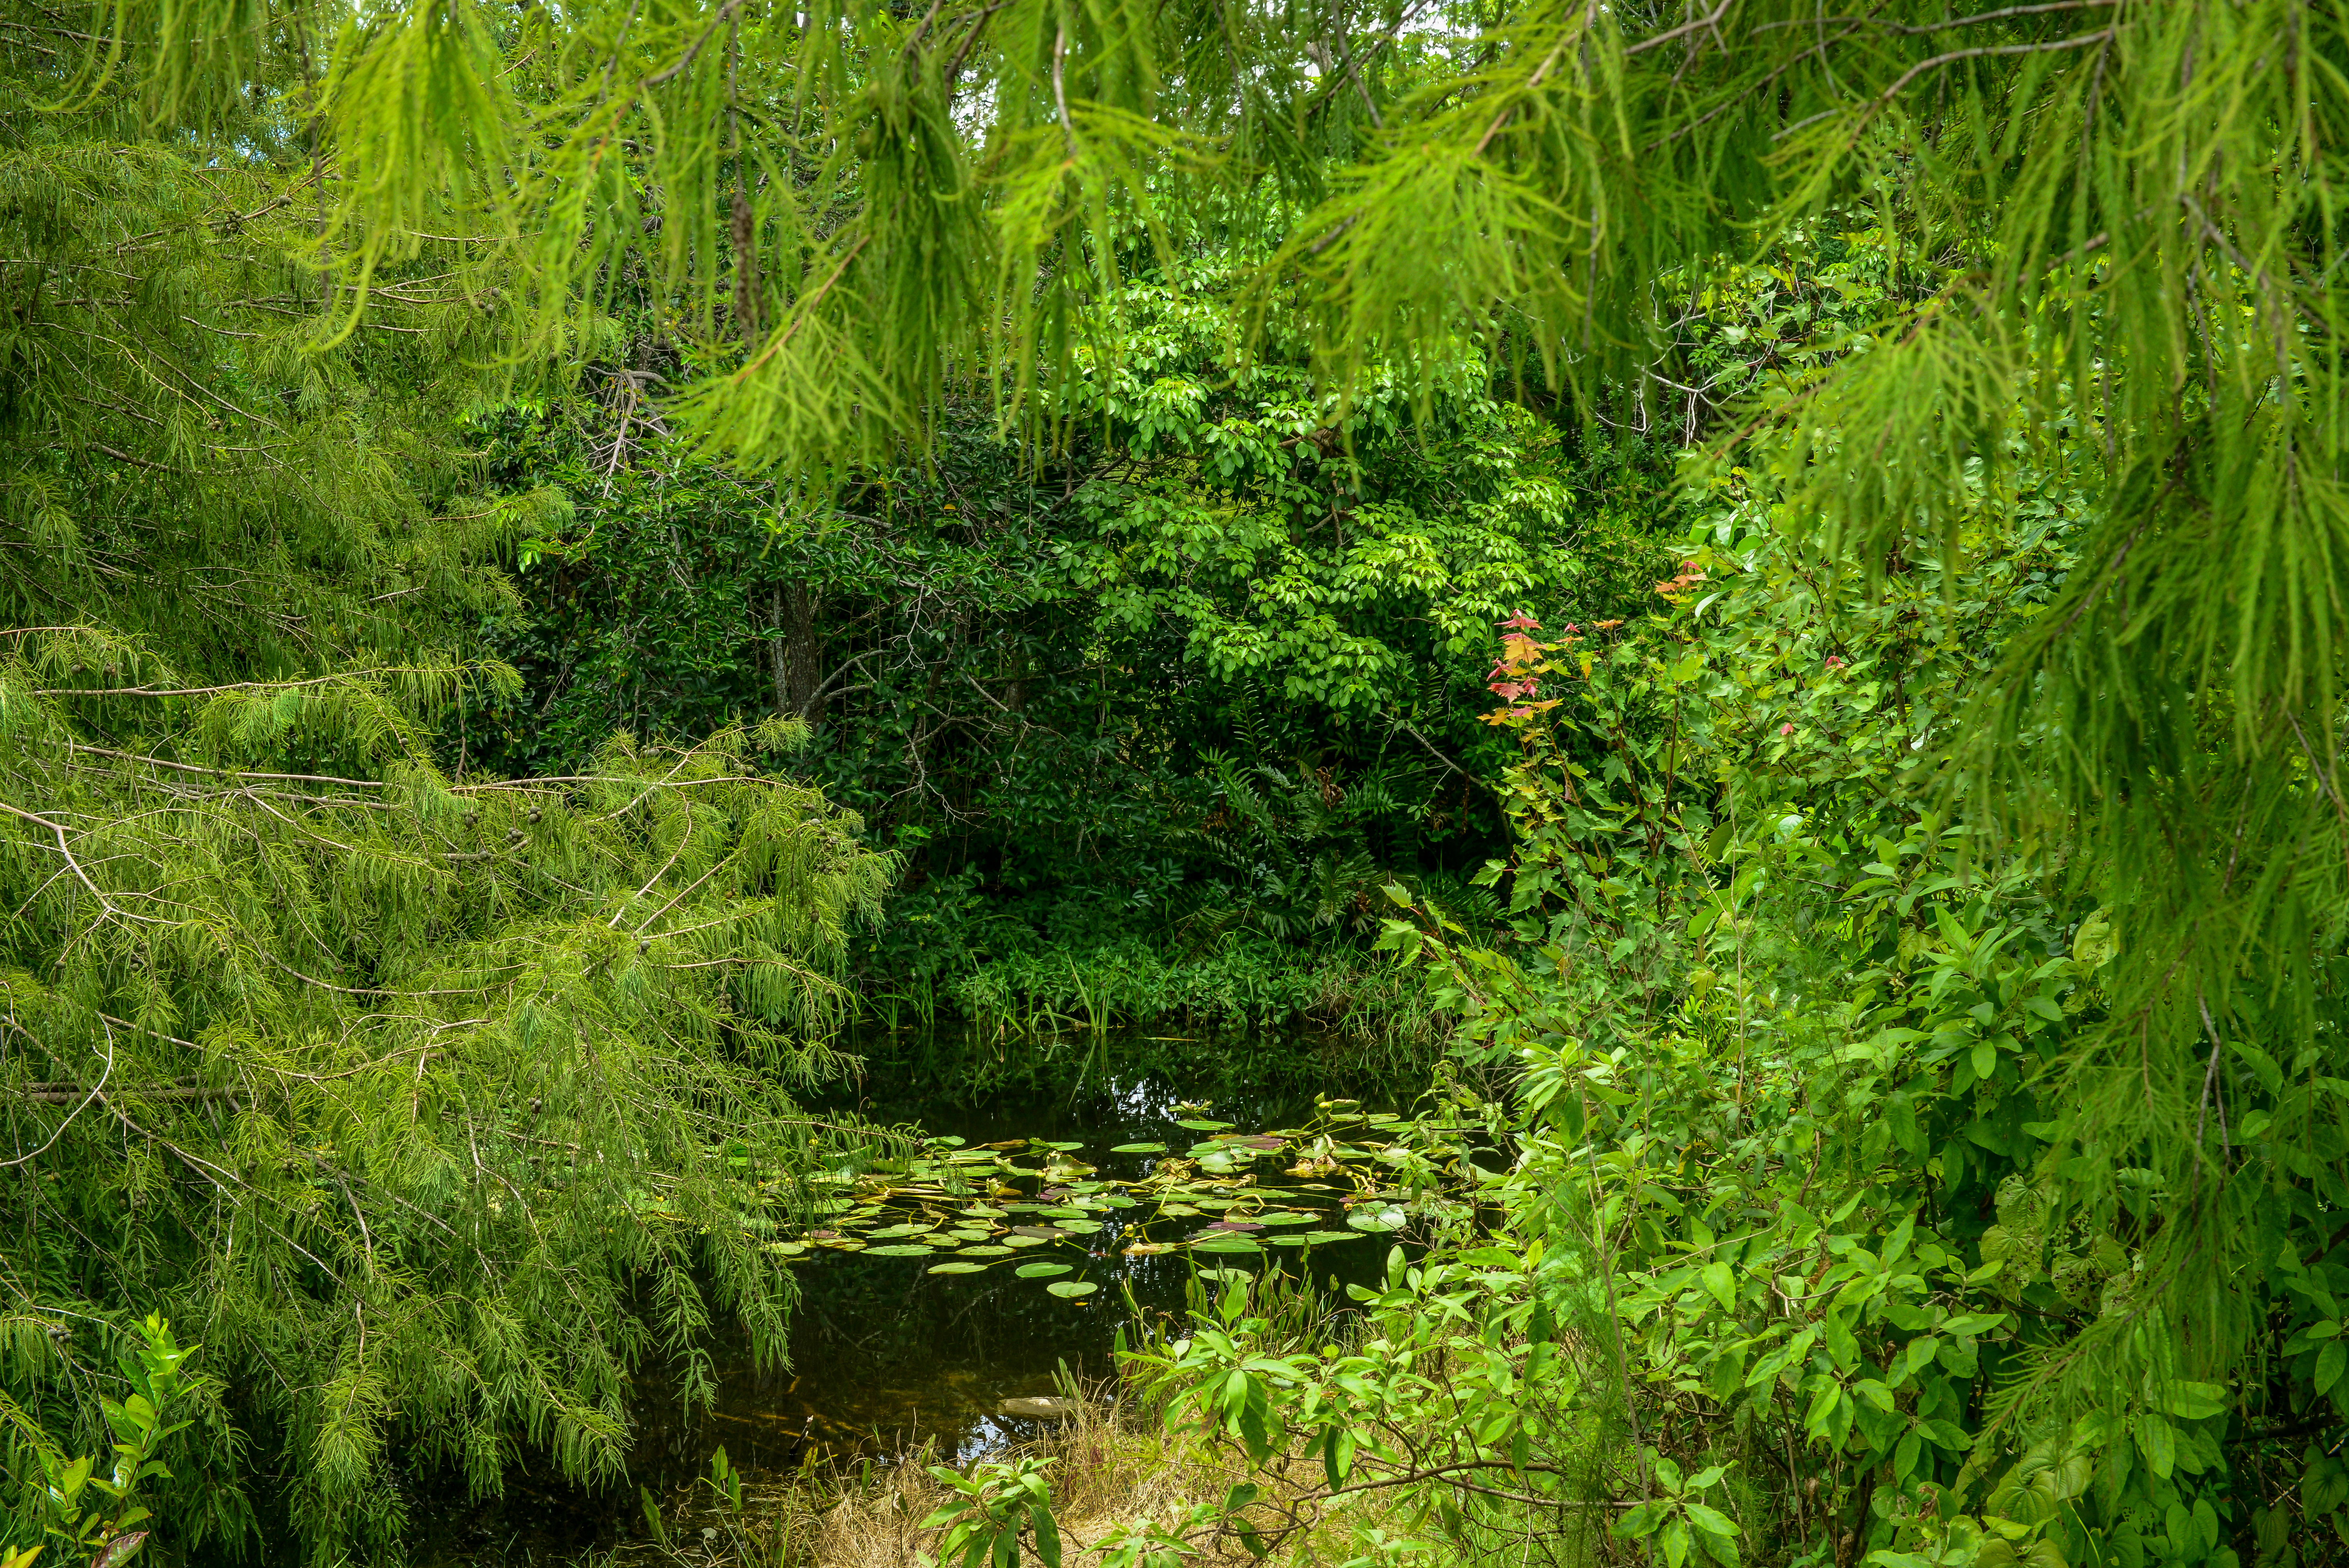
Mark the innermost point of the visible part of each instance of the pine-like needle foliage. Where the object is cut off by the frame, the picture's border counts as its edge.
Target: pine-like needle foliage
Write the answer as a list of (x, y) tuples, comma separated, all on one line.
[(429, 1106), (2122, 226)]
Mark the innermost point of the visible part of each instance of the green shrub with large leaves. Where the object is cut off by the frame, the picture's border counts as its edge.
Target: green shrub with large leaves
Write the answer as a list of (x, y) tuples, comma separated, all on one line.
[(1206, 665), (1841, 1217)]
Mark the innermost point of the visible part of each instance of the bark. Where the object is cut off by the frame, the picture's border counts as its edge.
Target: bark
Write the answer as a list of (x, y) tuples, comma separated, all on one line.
[(798, 651)]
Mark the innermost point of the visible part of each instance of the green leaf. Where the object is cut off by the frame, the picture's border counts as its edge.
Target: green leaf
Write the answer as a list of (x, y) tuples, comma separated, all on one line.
[(1073, 1287), (1713, 1522), (1047, 1534), (2158, 1443), (2199, 1401), (958, 1268), (1042, 1271), (1720, 1282)]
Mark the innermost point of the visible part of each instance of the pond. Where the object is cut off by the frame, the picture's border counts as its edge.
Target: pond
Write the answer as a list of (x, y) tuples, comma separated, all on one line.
[(891, 1354)]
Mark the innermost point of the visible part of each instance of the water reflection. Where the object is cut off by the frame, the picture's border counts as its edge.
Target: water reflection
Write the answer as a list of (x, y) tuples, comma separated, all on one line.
[(887, 1359)]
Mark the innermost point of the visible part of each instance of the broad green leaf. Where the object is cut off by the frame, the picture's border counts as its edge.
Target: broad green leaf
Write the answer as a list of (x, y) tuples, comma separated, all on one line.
[(1720, 1282)]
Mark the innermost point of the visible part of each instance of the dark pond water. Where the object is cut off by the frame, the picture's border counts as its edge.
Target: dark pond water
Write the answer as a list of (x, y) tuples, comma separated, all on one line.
[(887, 1358)]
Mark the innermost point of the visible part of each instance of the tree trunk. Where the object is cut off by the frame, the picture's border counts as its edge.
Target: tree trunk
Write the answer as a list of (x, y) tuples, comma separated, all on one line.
[(798, 652)]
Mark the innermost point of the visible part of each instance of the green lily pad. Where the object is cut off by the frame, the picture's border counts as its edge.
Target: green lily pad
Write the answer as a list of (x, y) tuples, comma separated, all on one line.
[(1197, 1126), (983, 1252), (1138, 1149), (1027, 1241), (958, 1268), (1284, 1217), (1072, 1288), (887, 1231), (1227, 1244), (1081, 1227), (1042, 1271), (1224, 1276), (1284, 1241), (1322, 1238), (901, 1250), (1376, 1220)]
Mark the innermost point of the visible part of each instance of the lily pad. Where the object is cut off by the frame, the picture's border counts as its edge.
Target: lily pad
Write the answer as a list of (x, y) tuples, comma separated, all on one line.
[(1199, 1125), (1138, 1149), (901, 1250), (1376, 1220), (958, 1268), (983, 1252), (1227, 1244), (1072, 1288), (1284, 1217), (1322, 1238), (1042, 1271), (1028, 1241)]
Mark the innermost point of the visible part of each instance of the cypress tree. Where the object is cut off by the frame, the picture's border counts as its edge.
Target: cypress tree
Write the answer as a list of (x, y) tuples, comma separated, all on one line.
[(429, 1104)]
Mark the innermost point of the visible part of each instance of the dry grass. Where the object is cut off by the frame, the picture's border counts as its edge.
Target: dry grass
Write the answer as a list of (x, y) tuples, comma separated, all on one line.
[(1110, 1469), (1112, 1465)]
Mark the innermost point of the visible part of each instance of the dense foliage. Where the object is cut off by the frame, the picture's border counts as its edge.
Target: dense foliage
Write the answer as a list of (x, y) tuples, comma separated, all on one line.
[(1199, 683), (1829, 1228), (1911, 1036), (430, 1103)]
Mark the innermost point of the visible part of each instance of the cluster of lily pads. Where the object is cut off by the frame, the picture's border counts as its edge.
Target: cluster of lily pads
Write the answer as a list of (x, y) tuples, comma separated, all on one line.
[(1229, 1194)]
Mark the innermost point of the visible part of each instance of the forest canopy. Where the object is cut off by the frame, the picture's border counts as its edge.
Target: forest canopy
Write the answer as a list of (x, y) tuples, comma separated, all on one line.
[(524, 523)]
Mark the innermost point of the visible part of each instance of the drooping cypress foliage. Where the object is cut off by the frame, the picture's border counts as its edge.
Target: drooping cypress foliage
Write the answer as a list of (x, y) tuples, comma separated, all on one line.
[(431, 1105), (2132, 212)]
